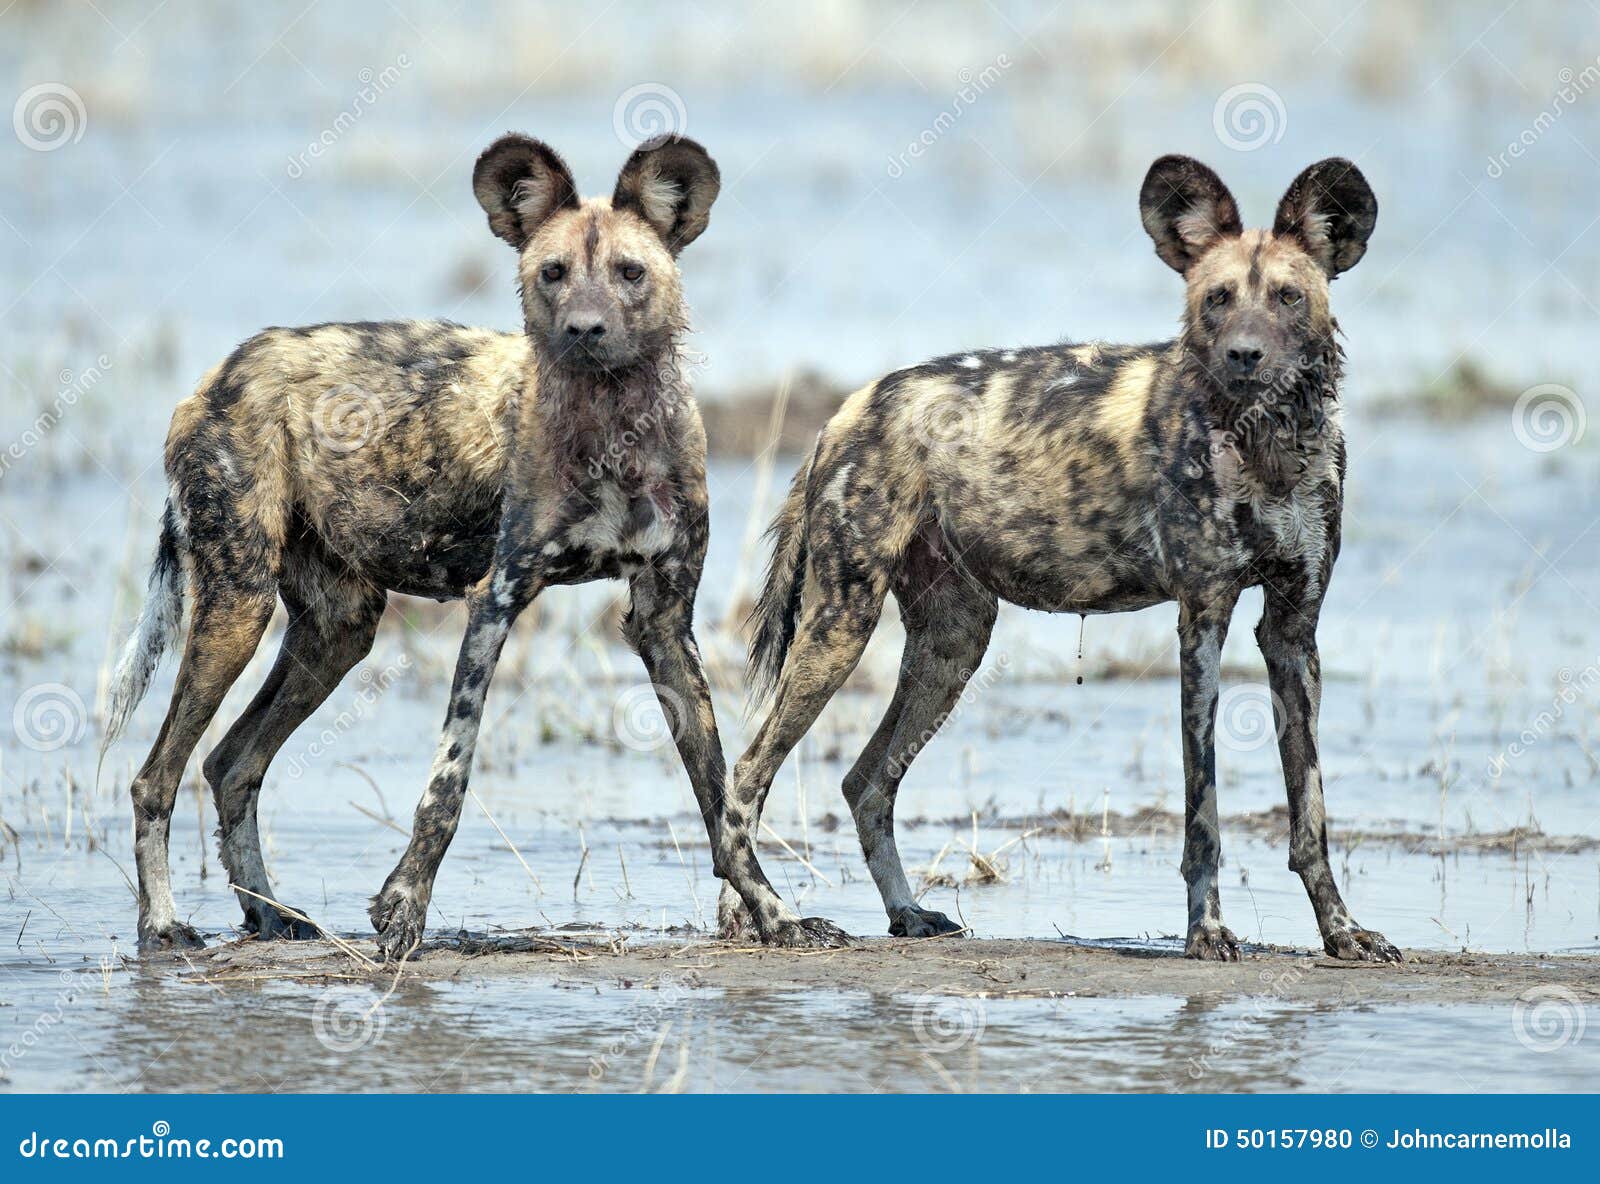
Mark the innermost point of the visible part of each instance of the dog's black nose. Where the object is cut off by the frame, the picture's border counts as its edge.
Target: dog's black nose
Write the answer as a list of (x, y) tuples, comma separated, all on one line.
[(589, 328), (1244, 357)]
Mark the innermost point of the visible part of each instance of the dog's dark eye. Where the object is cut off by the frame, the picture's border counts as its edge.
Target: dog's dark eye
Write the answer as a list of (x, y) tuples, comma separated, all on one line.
[(1291, 296), (632, 272), (1216, 298), (553, 273)]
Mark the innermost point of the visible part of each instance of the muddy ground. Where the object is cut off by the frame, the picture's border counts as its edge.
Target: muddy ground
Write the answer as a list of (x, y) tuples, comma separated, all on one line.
[(990, 969)]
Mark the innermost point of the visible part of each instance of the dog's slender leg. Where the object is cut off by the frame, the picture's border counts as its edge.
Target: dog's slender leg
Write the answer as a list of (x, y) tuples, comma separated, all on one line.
[(660, 627), (1288, 638), (323, 642), (1202, 628), (947, 631), (827, 645), (226, 629), (399, 912)]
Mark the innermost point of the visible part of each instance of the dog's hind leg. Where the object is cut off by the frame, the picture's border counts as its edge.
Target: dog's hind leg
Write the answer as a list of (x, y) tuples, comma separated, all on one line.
[(833, 631), (948, 620), (329, 632), (227, 625)]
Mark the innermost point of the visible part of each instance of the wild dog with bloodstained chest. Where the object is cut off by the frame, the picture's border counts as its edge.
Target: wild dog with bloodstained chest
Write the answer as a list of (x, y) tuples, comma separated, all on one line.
[(1082, 479), (333, 464)]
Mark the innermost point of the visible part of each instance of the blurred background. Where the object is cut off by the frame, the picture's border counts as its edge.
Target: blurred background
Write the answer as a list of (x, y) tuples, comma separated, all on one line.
[(900, 180)]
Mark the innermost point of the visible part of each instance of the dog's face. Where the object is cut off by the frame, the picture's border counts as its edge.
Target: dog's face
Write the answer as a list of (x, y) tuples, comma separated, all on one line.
[(1257, 311), (599, 277)]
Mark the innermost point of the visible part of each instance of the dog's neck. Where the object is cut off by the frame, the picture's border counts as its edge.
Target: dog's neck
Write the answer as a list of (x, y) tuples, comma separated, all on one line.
[(609, 424), (1278, 434)]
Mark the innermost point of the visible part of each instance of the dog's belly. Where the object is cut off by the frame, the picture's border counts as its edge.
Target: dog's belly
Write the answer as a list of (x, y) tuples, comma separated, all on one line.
[(433, 542), (1040, 562)]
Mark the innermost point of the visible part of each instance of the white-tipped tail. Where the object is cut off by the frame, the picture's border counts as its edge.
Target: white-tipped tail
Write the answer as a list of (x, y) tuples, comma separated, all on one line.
[(157, 629)]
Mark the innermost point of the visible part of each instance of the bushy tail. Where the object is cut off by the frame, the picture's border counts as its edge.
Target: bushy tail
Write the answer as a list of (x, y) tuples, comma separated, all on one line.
[(157, 629), (772, 621)]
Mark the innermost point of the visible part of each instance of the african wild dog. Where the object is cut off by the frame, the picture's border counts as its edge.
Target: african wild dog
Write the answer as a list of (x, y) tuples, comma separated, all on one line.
[(1083, 479), (493, 470)]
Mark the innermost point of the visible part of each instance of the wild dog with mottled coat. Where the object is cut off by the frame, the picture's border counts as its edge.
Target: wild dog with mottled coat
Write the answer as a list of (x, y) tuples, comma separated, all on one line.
[(1081, 479), (333, 464)]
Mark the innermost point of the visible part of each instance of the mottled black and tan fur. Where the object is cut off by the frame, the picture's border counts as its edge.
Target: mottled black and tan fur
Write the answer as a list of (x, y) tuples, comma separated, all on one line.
[(1081, 479), (333, 464)]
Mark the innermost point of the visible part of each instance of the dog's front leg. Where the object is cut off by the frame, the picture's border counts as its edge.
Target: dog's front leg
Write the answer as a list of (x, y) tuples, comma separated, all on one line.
[(1202, 628), (1288, 638), (399, 912), (660, 627)]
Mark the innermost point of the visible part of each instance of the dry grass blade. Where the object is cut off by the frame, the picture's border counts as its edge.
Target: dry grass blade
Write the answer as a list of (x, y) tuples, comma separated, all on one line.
[(338, 942)]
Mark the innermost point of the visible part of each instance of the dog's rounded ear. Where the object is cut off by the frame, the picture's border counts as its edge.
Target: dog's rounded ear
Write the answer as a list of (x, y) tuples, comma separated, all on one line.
[(520, 182), (670, 182), (1186, 208), (1331, 210)]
